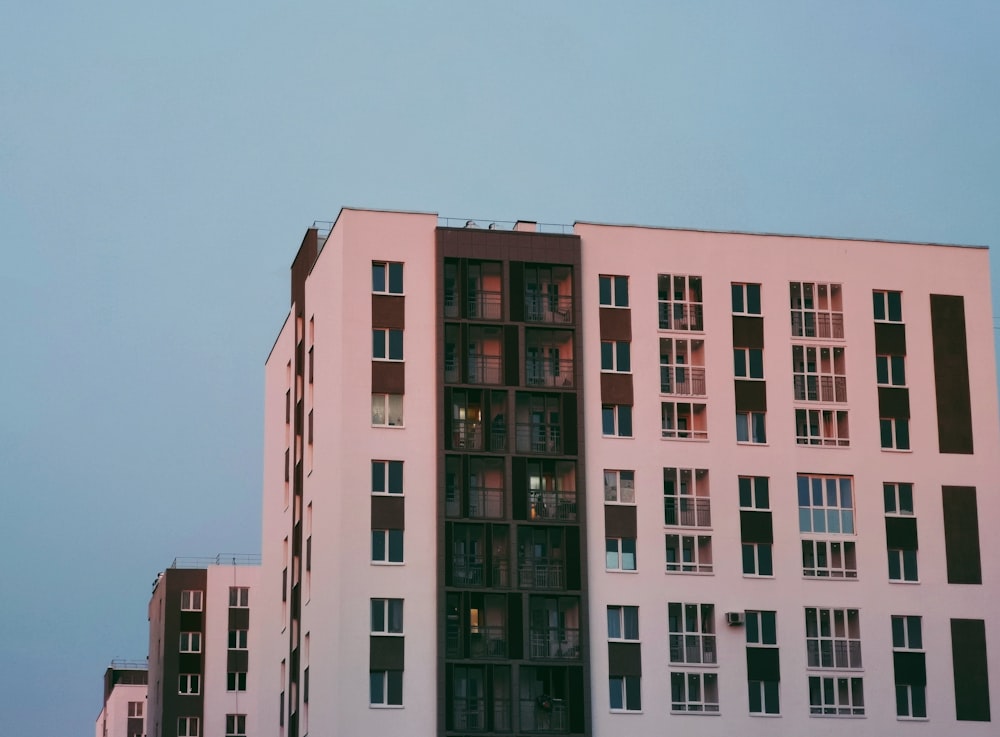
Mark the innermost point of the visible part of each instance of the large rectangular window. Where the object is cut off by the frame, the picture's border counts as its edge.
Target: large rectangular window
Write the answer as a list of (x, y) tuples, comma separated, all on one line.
[(680, 302), (686, 501), (694, 693), (909, 667), (689, 553), (692, 633), (746, 299), (387, 344), (387, 477), (620, 554), (624, 693), (833, 638), (763, 672), (817, 310)]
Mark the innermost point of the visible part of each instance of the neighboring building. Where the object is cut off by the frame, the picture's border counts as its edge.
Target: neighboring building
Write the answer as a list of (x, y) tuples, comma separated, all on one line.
[(203, 648), (795, 437), (124, 710)]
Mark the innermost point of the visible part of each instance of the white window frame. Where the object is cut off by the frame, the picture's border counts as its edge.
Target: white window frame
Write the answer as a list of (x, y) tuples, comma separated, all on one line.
[(619, 486), (817, 310), (190, 642), (382, 343), (815, 373), (239, 640), (387, 535), (898, 499), (616, 357), (751, 427), (384, 703), (384, 468), (830, 558), (692, 554), (686, 495), (387, 410), (616, 415), (236, 725), (891, 366), (189, 684), (236, 679), (833, 638), (192, 600), (897, 431), (188, 727), (682, 367), (687, 701), (614, 285), (744, 364), (826, 504), (387, 268), (755, 621), (826, 427), (680, 302), (384, 608), (135, 708), (761, 688), (882, 300), (239, 597), (763, 562), (757, 496), (675, 414), (626, 686), (743, 288), (621, 615), (847, 694), (620, 553), (692, 637)]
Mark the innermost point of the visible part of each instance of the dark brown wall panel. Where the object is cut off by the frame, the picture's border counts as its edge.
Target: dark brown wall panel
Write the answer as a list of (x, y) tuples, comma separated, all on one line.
[(616, 324), (624, 659), (387, 513), (748, 332), (619, 520), (763, 664), (616, 389), (388, 311), (909, 669), (890, 338), (385, 653), (756, 527), (239, 619), (972, 678), (238, 661), (901, 533), (751, 396), (302, 265), (894, 402), (388, 377), (961, 534), (951, 374)]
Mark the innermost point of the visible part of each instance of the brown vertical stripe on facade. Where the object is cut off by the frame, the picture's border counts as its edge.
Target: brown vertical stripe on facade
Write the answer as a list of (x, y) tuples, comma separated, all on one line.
[(951, 374), (388, 311), (763, 664), (894, 402), (388, 377), (616, 389), (751, 396), (756, 527), (385, 653), (748, 332), (387, 513), (961, 534), (624, 659), (239, 618), (616, 324), (969, 663), (901, 533), (619, 520), (890, 338), (237, 661)]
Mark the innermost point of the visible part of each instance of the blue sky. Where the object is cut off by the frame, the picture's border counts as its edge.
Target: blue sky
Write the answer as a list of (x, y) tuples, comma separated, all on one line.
[(159, 163)]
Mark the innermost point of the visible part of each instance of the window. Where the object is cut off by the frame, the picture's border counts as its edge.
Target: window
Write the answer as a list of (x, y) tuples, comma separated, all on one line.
[(236, 725), (817, 310), (386, 688), (188, 727), (898, 499), (625, 693), (683, 421), (623, 623), (746, 299), (620, 554), (821, 427), (754, 492), (680, 304), (613, 291), (833, 638), (383, 285), (135, 708), (387, 546), (616, 420), (748, 363), (888, 306), (682, 367), (826, 504), (890, 370), (692, 633), (836, 696), (616, 356), (910, 667), (237, 639), (387, 616), (761, 628), (694, 693), (819, 373), (387, 344), (619, 487), (895, 433), (191, 601), (190, 642), (751, 428), (236, 681), (827, 559), (763, 684), (387, 477), (900, 531), (239, 597), (689, 553), (686, 501), (758, 559), (189, 683), (387, 410)]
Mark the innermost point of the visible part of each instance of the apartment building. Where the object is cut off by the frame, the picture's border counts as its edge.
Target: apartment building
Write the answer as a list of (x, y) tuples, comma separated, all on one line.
[(204, 648), (795, 439), (124, 710)]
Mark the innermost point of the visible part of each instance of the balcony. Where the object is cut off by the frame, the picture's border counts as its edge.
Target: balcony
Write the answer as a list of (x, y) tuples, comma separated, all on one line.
[(555, 643), (485, 369), (541, 574), (469, 715), (544, 714), (687, 512), (820, 388), (694, 649), (470, 571), (807, 324), (557, 372), (485, 503), (552, 505), (548, 309), (684, 381), (484, 305), (681, 316), (535, 437), (833, 653)]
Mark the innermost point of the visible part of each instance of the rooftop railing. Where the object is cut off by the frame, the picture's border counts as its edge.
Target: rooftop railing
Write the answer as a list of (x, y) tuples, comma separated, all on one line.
[(222, 559), (522, 225)]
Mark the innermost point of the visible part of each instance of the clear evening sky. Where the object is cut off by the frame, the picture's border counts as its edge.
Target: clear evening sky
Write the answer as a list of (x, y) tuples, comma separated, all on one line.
[(159, 163)]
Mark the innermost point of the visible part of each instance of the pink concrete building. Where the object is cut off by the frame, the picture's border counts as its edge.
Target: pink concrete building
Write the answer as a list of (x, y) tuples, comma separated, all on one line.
[(124, 710), (797, 443)]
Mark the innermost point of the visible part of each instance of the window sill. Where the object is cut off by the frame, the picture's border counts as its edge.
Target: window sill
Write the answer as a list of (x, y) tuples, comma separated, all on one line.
[(897, 450), (684, 440), (391, 427), (829, 578), (690, 573), (618, 437), (837, 716), (759, 576), (625, 711), (697, 713), (388, 563), (621, 570), (912, 719), (761, 715), (751, 443), (904, 582), (385, 706)]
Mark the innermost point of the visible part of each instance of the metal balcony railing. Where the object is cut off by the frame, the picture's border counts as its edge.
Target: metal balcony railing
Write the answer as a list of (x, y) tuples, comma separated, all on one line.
[(488, 642), (466, 435), (543, 714), (546, 505), (555, 643), (685, 381), (687, 511), (549, 372), (693, 649), (814, 388), (681, 316), (538, 438), (484, 305), (485, 503), (810, 324), (833, 653), (546, 308), (485, 369), (541, 574), (468, 714), (470, 570)]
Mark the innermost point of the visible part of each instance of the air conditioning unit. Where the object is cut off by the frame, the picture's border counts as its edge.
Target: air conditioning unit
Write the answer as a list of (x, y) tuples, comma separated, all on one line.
[(734, 619)]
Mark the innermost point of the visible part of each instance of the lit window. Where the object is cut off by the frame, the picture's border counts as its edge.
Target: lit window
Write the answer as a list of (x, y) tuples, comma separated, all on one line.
[(613, 291), (679, 302), (236, 681), (625, 693), (888, 306), (239, 597), (616, 420), (751, 428), (748, 363), (386, 688), (387, 345), (387, 477), (191, 601), (694, 693), (190, 642), (746, 299), (188, 727), (620, 554), (387, 277), (623, 623), (387, 546), (387, 410), (616, 356), (237, 639), (692, 633), (689, 553), (895, 433), (236, 725), (387, 616), (189, 683), (619, 487), (890, 370)]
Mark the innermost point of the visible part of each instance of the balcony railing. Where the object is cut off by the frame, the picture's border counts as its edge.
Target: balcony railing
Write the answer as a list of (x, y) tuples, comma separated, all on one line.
[(485, 305), (543, 714), (546, 505), (538, 438), (549, 372), (542, 575), (452, 370), (555, 643), (469, 715), (466, 435), (693, 649), (546, 308), (833, 653), (470, 570), (488, 642), (807, 324), (687, 511), (681, 316), (450, 303), (686, 381), (812, 388), (485, 503), (485, 369)]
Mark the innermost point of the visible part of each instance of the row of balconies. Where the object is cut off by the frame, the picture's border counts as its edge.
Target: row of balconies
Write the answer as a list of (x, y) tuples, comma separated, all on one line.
[(489, 503), (491, 643), (483, 304), (529, 437), (537, 574), (488, 370)]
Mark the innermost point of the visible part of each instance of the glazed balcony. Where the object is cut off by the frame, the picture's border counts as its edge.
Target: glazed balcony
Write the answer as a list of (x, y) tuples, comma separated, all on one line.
[(544, 714), (485, 643), (472, 571), (550, 309), (555, 643), (484, 369), (556, 372), (532, 437), (552, 505), (541, 574)]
